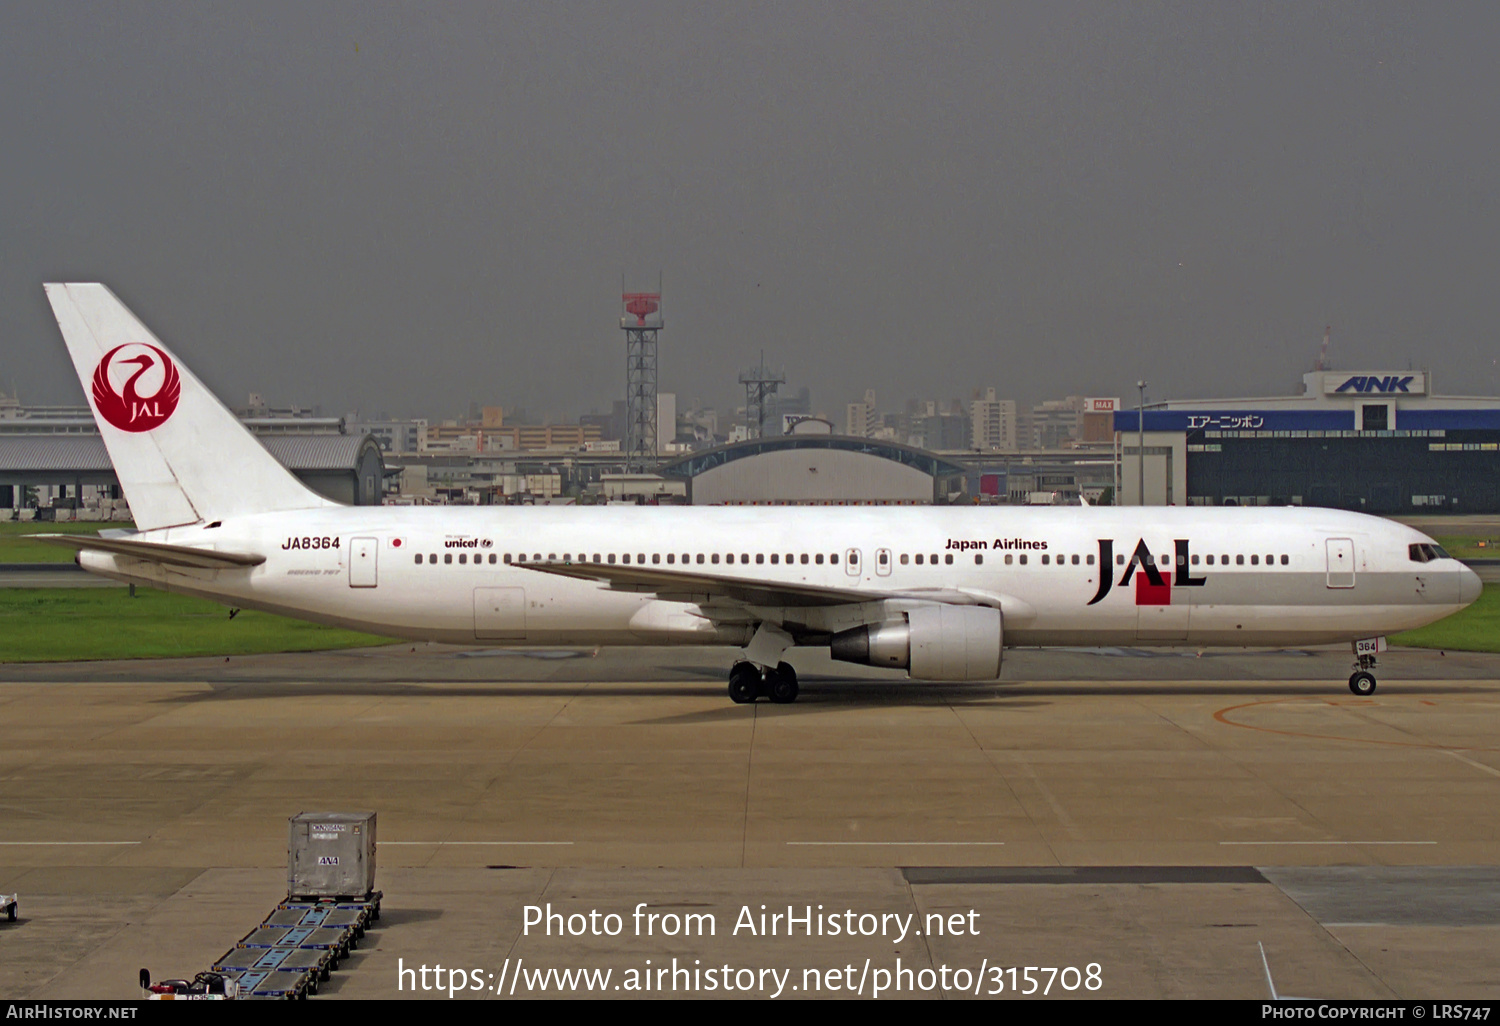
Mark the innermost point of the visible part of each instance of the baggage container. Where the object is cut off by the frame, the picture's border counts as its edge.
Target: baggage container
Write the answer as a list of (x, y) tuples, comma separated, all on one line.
[(331, 855)]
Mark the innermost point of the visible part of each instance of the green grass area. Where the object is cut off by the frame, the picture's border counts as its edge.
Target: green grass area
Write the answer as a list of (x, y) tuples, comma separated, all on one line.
[(1469, 546), (51, 624), (1476, 629), (16, 547)]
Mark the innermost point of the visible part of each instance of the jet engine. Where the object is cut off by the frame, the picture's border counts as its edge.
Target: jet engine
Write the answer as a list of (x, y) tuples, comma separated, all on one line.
[(938, 642)]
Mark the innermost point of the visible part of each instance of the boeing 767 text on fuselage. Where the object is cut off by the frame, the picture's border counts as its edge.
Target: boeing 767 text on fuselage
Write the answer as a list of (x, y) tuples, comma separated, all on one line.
[(937, 591)]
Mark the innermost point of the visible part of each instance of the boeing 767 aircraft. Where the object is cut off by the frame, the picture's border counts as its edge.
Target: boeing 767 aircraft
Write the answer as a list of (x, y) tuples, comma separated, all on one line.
[(938, 592)]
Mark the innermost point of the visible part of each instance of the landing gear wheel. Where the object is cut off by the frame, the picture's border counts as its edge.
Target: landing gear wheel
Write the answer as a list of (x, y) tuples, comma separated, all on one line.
[(782, 683), (744, 683), (1362, 683)]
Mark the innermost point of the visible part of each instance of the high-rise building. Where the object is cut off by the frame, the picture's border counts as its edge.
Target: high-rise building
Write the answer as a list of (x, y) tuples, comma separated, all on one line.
[(860, 419), (992, 422)]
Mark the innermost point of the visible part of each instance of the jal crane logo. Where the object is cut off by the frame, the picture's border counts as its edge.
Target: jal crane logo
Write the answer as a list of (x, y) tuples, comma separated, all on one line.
[(140, 399)]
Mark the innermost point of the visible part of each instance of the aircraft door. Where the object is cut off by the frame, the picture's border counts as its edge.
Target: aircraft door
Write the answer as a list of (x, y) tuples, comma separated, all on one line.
[(363, 554), (852, 562), (1340, 563), (500, 613), (883, 562)]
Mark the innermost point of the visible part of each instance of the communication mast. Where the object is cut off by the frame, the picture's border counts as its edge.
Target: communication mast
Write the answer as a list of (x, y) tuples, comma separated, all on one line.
[(760, 384), (641, 320), (1322, 362)]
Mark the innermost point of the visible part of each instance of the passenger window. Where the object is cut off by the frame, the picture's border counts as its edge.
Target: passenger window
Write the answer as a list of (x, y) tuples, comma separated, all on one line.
[(1285, 560), (1075, 560), (1195, 560), (978, 559), (1255, 561), (1009, 559), (1224, 559), (760, 557), (596, 557), (551, 557), (714, 558), (933, 560), (744, 557), (1165, 559), (463, 557), (818, 559), (671, 557), (1119, 560), (1209, 558), (419, 557), (804, 558), (904, 559), (1089, 560), (833, 557), (775, 558), (1046, 559), (447, 557), (1023, 559), (1270, 560), (611, 557), (537, 557), (948, 558), (1239, 560), (625, 558), (919, 559), (700, 558), (656, 557)]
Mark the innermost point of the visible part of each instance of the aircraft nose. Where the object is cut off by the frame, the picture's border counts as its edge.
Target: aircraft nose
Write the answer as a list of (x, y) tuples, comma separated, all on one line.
[(1470, 587)]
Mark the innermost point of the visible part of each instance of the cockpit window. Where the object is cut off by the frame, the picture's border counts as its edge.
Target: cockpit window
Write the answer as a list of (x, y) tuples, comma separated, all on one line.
[(1426, 552)]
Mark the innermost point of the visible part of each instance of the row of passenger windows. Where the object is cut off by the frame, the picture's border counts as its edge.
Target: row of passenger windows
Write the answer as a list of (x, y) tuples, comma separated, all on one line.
[(832, 558), (817, 558)]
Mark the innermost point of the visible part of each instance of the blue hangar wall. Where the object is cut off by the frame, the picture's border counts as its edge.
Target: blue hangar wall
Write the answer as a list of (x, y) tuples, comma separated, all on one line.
[(1372, 442)]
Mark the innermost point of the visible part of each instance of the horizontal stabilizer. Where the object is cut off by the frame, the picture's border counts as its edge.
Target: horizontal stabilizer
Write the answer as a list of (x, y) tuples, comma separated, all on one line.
[(154, 552)]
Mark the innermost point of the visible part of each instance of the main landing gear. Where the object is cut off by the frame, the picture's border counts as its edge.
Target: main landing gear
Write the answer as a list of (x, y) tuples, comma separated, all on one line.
[(1363, 681), (749, 681)]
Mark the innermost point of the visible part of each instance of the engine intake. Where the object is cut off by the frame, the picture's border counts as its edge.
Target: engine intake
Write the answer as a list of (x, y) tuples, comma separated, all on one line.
[(938, 642)]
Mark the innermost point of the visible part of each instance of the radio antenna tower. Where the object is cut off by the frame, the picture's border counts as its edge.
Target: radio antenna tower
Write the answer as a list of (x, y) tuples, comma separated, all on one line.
[(641, 320), (760, 385)]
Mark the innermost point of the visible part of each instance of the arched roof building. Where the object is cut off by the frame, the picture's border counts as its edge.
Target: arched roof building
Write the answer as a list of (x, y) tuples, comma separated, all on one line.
[(817, 470)]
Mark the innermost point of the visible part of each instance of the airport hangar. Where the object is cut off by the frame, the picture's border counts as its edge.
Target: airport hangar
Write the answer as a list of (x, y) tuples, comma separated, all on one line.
[(1372, 441), (345, 468), (817, 469)]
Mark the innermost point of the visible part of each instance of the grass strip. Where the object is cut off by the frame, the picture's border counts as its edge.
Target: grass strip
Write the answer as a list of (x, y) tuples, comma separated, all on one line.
[(52, 624)]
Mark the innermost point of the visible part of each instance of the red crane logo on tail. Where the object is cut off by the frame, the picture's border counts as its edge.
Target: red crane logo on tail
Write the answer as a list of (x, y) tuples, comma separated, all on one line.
[(125, 407)]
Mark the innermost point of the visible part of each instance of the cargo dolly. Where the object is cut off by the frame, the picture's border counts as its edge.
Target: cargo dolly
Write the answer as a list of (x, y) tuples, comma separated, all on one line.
[(331, 901)]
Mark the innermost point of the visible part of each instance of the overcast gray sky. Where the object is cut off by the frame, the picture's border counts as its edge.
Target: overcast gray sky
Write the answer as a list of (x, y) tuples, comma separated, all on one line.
[(410, 207)]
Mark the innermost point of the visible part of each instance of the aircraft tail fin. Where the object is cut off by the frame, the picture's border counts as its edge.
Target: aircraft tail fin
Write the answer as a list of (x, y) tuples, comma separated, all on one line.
[(180, 454)]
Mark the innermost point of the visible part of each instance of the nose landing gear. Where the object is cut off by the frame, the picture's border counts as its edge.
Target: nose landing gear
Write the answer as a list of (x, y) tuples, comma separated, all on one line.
[(749, 681)]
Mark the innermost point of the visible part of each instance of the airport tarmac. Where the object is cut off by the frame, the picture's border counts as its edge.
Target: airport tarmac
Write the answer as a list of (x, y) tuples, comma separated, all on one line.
[(1161, 815)]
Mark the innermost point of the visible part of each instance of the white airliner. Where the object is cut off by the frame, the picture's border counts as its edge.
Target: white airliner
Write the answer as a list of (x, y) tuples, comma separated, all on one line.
[(938, 592)]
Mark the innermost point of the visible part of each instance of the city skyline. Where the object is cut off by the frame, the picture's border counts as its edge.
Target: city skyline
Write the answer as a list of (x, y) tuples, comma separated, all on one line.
[(379, 205)]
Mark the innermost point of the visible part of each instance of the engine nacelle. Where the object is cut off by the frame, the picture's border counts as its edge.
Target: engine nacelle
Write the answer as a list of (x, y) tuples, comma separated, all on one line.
[(938, 642)]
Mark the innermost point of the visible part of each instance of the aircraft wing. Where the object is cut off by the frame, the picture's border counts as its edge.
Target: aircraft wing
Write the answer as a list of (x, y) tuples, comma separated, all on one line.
[(694, 586), (154, 552)]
